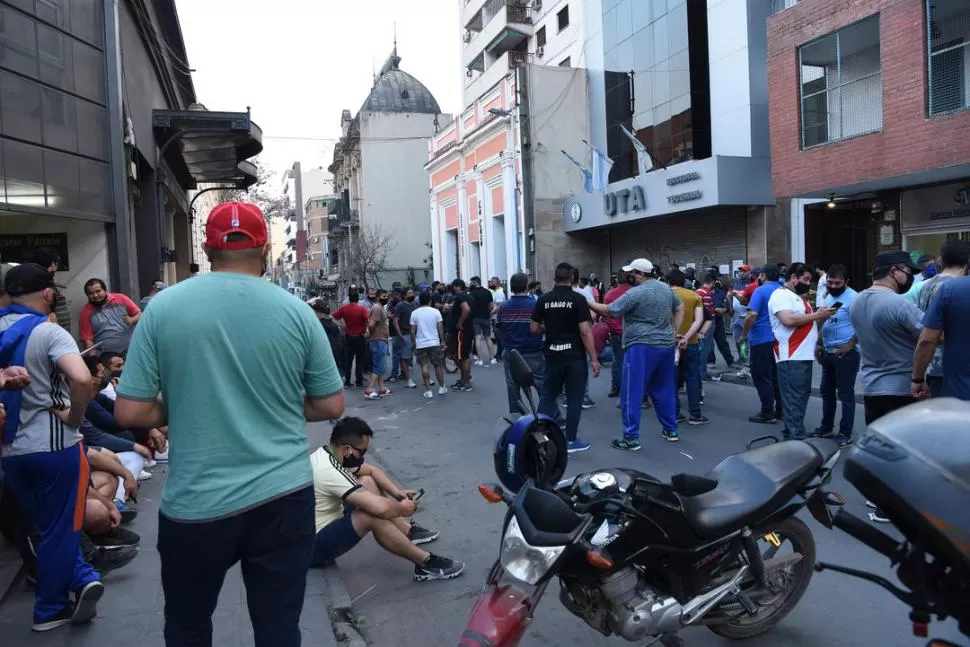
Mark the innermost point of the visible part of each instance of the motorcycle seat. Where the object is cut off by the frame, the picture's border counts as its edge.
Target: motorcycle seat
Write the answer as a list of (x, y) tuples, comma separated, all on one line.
[(749, 486)]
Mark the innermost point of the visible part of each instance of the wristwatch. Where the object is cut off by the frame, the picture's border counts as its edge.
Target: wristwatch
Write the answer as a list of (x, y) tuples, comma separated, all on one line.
[(919, 380)]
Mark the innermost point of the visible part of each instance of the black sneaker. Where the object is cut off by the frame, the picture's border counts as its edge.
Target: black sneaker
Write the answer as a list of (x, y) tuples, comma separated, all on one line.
[(844, 441), (86, 604), (681, 417), (61, 619), (763, 418), (626, 445), (588, 403), (438, 568), (419, 535), (823, 433), (117, 538), (614, 393), (671, 436), (698, 420), (461, 387), (105, 560)]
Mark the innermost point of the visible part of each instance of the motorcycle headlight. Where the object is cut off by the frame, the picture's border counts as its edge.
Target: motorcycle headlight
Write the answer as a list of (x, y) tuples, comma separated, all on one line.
[(523, 561)]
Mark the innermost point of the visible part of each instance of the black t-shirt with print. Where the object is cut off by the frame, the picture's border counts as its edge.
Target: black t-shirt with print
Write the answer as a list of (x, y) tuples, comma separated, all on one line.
[(459, 299), (561, 311)]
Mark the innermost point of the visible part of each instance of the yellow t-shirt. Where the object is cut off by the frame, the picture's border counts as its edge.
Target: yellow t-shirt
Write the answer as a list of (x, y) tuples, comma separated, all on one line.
[(332, 484), (691, 300)]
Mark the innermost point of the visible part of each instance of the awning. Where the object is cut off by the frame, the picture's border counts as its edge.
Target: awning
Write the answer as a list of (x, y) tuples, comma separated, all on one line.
[(203, 147)]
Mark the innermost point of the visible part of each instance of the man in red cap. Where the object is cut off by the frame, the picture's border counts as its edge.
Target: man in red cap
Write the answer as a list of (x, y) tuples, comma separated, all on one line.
[(244, 364)]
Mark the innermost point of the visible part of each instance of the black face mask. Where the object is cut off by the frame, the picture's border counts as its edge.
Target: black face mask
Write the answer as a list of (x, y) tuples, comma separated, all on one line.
[(761, 281), (100, 302), (910, 279), (409, 299), (383, 302), (802, 288), (837, 292), (352, 462), (116, 375)]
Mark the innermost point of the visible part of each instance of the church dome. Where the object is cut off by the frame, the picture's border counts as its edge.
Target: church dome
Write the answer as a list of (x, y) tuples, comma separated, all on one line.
[(397, 91)]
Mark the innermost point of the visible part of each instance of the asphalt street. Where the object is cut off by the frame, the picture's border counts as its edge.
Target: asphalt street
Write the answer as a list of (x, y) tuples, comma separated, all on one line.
[(445, 446)]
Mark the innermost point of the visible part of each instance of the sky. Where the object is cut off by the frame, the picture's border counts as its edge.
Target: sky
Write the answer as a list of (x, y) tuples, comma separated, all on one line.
[(298, 63)]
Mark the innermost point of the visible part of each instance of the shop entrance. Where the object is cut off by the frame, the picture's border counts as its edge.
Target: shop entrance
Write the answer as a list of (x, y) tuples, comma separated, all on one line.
[(845, 234)]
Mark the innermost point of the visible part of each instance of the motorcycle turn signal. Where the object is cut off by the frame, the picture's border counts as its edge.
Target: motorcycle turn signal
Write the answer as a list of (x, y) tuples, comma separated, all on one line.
[(599, 559), (491, 493)]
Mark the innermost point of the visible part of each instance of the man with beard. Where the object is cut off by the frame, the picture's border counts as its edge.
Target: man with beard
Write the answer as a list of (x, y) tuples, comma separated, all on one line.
[(108, 319), (794, 325), (888, 327), (50, 259), (241, 366)]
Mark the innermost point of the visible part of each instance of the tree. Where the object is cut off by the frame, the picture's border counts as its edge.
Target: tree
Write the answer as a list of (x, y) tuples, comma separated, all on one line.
[(270, 201), (371, 246)]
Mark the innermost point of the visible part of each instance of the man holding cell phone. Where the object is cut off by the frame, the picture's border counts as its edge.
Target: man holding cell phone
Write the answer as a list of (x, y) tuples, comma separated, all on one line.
[(838, 353), (354, 498)]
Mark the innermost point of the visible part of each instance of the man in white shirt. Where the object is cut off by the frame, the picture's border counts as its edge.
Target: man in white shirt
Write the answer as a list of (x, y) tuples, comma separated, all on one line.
[(428, 335), (498, 297), (794, 324)]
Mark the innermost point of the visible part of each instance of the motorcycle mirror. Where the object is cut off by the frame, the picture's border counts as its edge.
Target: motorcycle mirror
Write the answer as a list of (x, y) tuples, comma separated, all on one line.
[(519, 370), (491, 493)]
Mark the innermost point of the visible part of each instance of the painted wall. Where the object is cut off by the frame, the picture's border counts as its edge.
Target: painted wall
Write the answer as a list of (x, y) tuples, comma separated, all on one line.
[(87, 244)]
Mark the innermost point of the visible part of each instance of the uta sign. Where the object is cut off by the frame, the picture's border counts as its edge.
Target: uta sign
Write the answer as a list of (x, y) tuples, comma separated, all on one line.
[(624, 201)]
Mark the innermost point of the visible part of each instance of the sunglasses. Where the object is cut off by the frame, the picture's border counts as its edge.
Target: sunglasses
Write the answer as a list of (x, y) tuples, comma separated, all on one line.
[(362, 452)]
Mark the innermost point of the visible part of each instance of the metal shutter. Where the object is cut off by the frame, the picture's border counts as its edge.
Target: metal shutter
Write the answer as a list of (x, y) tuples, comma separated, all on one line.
[(705, 238)]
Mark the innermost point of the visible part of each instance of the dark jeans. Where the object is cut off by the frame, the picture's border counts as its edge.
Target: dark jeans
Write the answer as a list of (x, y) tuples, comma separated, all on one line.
[(689, 374), (838, 385), (878, 406), (536, 362), (356, 350), (935, 383), (571, 376), (795, 380), (273, 542), (616, 368), (764, 374), (720, 339)]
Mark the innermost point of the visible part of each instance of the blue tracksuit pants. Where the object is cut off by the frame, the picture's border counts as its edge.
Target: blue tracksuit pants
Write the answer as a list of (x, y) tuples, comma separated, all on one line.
[(650, 370), (52, 490)]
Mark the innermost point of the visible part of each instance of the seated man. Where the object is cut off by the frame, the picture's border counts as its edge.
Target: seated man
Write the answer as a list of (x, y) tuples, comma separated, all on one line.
[(103, 515), (354, 499)]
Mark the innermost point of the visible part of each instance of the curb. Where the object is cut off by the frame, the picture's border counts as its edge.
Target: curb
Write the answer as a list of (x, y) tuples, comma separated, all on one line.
[(733, 378), (343, 621)]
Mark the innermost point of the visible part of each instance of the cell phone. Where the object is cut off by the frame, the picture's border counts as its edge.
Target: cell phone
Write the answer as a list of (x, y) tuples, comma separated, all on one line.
[(836, 305), (418, 495)]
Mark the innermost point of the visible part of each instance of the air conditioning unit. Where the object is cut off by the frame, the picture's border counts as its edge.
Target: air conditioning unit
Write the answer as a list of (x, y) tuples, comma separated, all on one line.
[(468, 73), (540, 51), (468, 36)]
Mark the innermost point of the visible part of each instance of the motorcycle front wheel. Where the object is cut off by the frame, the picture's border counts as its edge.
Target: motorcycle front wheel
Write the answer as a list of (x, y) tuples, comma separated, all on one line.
[(787, 584)]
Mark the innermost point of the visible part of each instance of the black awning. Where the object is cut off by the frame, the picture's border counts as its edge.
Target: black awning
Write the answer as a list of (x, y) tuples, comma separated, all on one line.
[(203, 147)]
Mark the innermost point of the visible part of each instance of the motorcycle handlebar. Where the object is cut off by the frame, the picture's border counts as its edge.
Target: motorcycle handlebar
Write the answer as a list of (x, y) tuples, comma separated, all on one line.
[(867, 534)]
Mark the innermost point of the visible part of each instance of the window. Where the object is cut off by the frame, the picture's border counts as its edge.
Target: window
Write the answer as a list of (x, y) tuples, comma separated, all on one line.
[(948, 41), (566, 62), (841, 84), (541, 37), (563, 17)]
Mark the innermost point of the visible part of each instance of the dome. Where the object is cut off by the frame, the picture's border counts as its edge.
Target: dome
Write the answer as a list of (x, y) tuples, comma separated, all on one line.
[(397, 91)]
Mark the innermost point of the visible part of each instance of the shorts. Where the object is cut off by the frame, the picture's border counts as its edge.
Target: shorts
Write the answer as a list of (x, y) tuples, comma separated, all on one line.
[(402, 348), (483, 327), (378, 356), (334, 540), (460, 344), (432, 354)]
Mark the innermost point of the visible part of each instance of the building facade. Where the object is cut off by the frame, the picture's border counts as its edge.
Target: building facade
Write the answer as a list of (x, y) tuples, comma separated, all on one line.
[(688, 80), (89, 94), (868, 102), (382, 234), (518, 56)]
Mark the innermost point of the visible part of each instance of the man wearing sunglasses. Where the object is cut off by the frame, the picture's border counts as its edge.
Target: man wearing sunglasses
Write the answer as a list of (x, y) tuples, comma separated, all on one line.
[(354, 498)]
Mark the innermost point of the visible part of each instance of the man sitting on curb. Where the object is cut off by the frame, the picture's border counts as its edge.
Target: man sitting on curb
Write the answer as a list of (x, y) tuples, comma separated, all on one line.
[(354, 499)]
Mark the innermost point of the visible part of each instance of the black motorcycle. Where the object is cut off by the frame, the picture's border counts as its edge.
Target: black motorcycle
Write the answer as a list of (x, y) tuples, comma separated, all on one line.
[(638, 557), (914, 465)]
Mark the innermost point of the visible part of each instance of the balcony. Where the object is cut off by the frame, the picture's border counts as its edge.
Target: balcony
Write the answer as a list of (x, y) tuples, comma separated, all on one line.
[(479, 84), (503, 25)]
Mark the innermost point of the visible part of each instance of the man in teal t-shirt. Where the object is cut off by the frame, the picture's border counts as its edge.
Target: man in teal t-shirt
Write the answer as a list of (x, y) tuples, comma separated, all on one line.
[(240, 365)]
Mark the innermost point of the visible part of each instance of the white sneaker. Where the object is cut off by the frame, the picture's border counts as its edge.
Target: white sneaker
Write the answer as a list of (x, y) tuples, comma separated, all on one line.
[(494, 361), (431, 382), (412, 385), (442, 390), (162, 457), (479, 362), (428, 394), (150, 463), (144, 476)]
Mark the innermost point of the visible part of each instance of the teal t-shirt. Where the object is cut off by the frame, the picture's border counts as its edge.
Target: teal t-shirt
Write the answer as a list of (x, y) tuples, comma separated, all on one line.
[(233, 357)]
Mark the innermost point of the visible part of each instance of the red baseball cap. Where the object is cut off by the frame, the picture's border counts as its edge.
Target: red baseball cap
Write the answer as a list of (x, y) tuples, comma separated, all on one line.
[(235, 218), (745, 268)]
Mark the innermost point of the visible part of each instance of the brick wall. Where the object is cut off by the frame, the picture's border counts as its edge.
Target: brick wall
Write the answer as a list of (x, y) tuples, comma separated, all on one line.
[(909, 142)]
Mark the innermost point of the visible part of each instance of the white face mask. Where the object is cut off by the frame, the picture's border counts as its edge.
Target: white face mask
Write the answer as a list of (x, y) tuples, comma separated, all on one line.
[(109, 391)]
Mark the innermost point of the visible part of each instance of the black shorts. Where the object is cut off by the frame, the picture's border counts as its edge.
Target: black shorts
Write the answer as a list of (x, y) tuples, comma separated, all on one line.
[(460, 344), (334, 539)]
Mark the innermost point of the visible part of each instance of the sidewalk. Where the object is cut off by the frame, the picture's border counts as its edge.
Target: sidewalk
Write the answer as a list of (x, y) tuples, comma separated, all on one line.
[(131, 611)]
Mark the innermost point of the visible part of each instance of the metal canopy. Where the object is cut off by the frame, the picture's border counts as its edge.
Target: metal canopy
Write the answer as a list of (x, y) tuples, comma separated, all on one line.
[(203, 147)]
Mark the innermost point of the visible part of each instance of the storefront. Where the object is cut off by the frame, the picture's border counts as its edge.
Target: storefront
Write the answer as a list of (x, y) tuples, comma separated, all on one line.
[(931, 216)]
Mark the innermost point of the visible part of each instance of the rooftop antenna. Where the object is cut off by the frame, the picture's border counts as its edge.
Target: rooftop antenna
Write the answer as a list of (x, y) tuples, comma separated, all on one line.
[(373, 68), (395, 38)]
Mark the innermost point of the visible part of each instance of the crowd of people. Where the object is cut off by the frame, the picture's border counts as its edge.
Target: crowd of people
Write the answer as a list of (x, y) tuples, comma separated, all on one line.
[(83, 421)]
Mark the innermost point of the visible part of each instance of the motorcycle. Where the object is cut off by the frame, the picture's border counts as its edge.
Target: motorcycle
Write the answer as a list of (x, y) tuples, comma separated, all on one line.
[(641, 558), (914, 464)]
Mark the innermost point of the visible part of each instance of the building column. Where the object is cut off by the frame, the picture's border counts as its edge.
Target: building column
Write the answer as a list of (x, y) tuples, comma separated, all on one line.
[(511, 217), (463, 218), (484, 240), (437, 262)]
